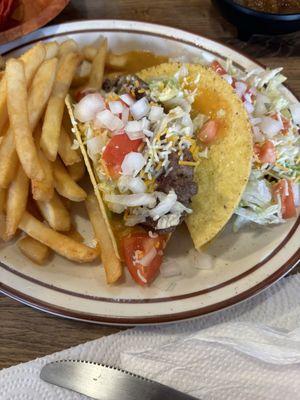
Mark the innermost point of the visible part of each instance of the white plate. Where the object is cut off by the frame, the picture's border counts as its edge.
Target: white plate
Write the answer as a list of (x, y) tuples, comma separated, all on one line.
[(244, 263)]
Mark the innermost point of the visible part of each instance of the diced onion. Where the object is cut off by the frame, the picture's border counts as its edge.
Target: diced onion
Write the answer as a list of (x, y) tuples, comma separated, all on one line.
[(132, 200), (295, 111), (258, 137), (116, 107), (249, 107), (164, 206), (135, 185), (94, 146), (270, 126), (170, 268), (148, 258), (132, 164), (240, 88), (125, 115), (88, 107), (127, 99), (228, 78), (140, 108), (134, 130), (106, 119), (156, 113)]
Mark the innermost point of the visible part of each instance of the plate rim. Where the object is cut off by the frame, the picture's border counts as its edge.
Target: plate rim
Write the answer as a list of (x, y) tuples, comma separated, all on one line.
[(174, 317)]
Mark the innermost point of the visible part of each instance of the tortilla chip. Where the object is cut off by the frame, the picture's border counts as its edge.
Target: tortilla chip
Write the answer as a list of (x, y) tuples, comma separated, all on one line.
[(91, 175), (222, 177)]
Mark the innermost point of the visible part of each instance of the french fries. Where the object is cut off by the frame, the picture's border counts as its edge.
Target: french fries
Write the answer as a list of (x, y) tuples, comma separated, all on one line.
[(54, 112), (2, 201), (65, 185), (32, 60), (40, 90), (16, 202), (75, 235), (8, 159), (34, 250), (19, 119), (68, 46), (51, 50), (55, 213), (112, 265), (43, 190), (116, 61), (58, 242), (82, 74), (77, 171), (67, 154), (97, 71), (89, 52)]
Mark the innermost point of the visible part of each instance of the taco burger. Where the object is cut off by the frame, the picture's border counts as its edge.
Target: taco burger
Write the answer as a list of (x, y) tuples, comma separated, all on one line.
[(169, 144)]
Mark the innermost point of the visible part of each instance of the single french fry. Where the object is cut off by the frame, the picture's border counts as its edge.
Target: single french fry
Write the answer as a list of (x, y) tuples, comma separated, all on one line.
[(2, 226), (51, 50), (55, 213), (67, 154), (54, 112), (58, 242), (75, 235), (65, 185), (82, 74), (34, 250), (66, 47), (17, 101), (116, 61), (8, 159), (89, 52), (77, 171), (111, 263), (40, 91), (2, 201), (97, 71), (32, 60), (43, 190), (16, 202)]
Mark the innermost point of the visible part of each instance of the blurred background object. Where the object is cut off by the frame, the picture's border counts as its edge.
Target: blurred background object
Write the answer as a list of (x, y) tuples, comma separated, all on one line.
[(261, 16), (19, 17)]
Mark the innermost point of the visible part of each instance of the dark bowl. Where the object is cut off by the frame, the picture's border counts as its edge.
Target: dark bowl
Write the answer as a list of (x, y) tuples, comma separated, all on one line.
[(249, 21)]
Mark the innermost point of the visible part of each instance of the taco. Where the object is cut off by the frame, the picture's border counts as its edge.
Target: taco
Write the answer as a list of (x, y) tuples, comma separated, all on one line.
[(170, 144)]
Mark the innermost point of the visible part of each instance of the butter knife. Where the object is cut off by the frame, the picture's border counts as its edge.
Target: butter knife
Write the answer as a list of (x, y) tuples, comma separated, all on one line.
[(103, 382)]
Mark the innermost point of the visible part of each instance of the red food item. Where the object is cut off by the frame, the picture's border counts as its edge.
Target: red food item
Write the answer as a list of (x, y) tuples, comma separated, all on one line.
[(265, 153), (217, 67), (136, 246), (285, 122), (208, 132), (284, 189), (116, 150)]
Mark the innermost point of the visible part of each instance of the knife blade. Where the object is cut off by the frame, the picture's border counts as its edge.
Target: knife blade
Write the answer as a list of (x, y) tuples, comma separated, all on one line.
[(104, 382)]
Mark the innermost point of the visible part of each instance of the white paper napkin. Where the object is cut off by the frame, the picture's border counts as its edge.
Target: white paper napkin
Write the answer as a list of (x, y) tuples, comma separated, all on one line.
[(251, 351)]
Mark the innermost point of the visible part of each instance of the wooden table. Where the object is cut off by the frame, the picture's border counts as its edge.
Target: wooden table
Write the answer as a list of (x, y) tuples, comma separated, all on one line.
[(26, 333)]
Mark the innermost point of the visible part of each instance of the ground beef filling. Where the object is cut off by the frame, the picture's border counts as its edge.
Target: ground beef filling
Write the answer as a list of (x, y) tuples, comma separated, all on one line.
[(181, 177), (130, 84), (181, 180)]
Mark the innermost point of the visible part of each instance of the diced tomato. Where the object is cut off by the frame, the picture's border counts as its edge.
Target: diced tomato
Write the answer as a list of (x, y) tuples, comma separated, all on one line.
[(116, 150), (80, 94), (208, 132), (136, 246), (284, 189), (217, 67), (265, 153)]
